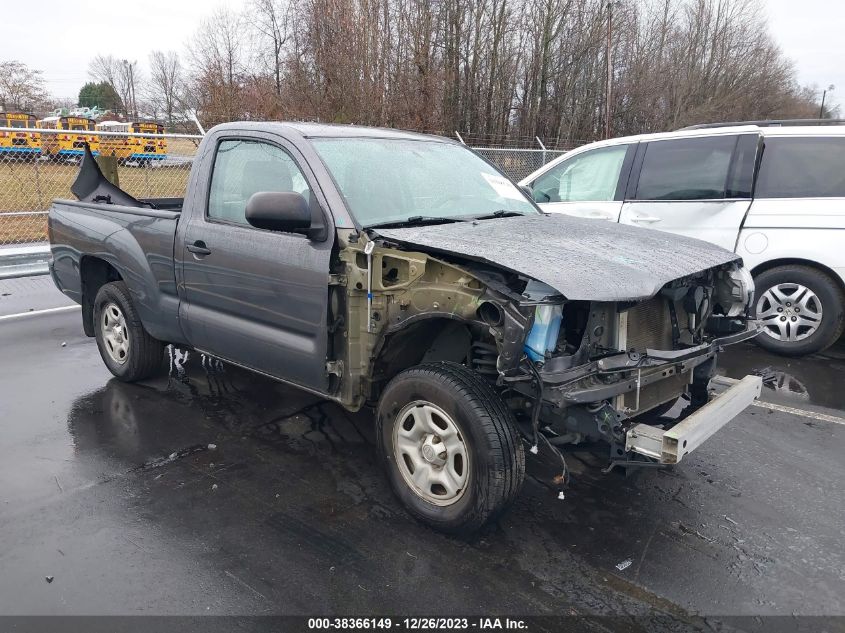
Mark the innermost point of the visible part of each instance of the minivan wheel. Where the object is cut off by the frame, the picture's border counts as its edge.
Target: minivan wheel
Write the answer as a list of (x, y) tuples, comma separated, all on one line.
[(450, 446), (128, 351), (800, 309)]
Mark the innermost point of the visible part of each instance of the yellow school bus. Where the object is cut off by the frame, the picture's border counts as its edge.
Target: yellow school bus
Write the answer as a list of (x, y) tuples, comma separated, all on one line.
[(24, 143), (70, 143), (142, 149)]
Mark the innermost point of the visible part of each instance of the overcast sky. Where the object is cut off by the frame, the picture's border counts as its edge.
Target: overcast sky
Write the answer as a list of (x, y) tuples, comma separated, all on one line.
[(66, 34)]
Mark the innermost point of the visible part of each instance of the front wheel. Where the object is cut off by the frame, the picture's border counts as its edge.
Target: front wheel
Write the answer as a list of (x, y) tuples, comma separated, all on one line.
[(450, 446), (127, 349), (800, 308)]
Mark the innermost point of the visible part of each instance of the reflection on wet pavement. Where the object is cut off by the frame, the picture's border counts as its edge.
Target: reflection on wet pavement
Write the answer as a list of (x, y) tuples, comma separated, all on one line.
[(211, 489), (815, 380)]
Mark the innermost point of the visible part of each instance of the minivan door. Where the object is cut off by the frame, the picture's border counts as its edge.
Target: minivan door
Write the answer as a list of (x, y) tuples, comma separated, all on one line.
[(696, 186), (590, 184), (255, 297)]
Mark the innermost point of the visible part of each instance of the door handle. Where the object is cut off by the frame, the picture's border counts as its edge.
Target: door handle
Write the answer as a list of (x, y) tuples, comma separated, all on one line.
[(646, 218), (198, 248)]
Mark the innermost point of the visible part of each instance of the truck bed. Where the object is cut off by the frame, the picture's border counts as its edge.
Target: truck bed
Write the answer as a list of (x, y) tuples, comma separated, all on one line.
[(131, 243)]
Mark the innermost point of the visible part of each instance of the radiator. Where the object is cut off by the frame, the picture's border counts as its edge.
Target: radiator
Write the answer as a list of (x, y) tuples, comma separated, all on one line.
[(649, 325)]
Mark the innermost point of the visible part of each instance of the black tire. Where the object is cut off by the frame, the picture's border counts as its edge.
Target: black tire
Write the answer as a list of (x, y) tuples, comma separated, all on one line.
[(143, 356), (828, 293), (495, 453)]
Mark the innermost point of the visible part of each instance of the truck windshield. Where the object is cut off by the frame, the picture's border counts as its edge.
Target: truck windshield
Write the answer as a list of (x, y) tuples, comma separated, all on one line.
[(394, 180)]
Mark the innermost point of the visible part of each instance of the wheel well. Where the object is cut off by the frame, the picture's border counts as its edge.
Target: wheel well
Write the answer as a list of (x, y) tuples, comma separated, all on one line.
[(431, 339), (94, 273), (794, 261)]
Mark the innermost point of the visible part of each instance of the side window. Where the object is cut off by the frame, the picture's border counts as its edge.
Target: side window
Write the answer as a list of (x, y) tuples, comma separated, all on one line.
[(242, 168), (802, 167), (591, 176), (686, 169)]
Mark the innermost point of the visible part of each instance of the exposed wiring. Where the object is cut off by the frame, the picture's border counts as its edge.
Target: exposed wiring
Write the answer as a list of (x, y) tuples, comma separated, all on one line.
[(535, 414), (564, 476)]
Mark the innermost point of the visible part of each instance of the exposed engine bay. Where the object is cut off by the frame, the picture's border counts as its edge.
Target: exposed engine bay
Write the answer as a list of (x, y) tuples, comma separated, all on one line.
[(572, 370)]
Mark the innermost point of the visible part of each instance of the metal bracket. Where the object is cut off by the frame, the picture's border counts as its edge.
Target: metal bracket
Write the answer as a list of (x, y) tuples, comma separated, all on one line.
[(337, 280), (670, 447), (630, 463), (334, 367), (368, 251)]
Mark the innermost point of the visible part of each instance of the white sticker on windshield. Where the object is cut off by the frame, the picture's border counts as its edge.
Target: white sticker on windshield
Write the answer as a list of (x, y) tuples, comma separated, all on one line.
[(503, 186)]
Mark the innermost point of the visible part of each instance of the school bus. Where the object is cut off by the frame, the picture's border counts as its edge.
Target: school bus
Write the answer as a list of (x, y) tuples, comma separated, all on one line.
[(23, 144), (142, 149), (72, 143)]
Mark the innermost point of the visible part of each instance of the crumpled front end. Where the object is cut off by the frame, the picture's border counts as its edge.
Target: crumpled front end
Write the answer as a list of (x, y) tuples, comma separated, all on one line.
[(592, 371)]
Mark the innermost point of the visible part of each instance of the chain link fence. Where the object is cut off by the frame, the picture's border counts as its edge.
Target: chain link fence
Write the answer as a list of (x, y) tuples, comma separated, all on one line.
[(37, 166), (518, 163)]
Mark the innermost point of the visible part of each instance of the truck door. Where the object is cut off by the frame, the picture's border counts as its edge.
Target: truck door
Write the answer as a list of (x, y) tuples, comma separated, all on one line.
[(590, 184), (695, 186), (255, 297)]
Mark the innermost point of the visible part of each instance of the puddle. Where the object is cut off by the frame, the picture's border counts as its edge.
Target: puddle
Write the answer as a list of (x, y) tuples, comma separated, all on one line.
[(815, 380)]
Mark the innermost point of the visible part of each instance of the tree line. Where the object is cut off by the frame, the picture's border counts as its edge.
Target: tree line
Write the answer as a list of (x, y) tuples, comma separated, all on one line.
[(492, 70)]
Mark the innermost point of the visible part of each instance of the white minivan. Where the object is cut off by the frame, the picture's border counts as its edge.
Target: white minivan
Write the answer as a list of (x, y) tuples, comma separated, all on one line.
[(774, 194)]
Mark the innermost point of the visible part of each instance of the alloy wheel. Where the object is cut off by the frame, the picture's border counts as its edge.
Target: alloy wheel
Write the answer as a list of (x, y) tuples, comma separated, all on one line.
[(789, 312)]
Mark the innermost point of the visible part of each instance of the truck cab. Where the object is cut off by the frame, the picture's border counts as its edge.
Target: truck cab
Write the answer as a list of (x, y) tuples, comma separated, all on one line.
[(402, 272)]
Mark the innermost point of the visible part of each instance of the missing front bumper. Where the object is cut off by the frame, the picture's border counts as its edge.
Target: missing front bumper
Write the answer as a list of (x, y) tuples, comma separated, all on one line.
[(670, 447)]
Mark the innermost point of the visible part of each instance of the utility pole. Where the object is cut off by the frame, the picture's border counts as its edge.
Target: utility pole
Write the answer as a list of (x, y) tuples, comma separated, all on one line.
[(824, 94), (132, 87), (609, 87), (130, 76)]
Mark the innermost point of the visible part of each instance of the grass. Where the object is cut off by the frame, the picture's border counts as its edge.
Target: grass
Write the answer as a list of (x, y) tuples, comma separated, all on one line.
[(33, 186)]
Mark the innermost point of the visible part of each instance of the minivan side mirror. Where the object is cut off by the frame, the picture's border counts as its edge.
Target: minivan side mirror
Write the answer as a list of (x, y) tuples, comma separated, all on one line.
[(278, 211)]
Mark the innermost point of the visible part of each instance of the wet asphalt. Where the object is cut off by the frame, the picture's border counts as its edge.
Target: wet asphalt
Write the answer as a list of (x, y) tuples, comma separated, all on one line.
[(211, 490)]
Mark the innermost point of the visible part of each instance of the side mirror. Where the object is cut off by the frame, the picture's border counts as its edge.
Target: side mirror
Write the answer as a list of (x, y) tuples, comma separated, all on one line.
[(528, 191), (278, 211)]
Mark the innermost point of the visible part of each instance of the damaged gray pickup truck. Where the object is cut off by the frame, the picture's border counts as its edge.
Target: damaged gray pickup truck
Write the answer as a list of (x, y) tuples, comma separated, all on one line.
[(373, 266)]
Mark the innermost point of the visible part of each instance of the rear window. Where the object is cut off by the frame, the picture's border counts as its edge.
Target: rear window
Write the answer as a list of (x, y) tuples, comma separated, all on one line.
[(686, 169), (802, 168)]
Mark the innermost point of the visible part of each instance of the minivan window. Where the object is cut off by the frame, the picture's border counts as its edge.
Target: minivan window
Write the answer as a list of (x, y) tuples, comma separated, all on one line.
[(242, 168), (590, 176), (686, 169), (802, 167)]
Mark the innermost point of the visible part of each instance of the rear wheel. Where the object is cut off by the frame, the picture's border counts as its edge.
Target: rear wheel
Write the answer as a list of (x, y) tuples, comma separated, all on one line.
[(126, 348), (450, 446), (800, 308)]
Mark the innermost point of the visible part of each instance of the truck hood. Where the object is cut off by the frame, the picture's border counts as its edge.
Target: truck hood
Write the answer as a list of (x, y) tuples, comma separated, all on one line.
[(586, 260)]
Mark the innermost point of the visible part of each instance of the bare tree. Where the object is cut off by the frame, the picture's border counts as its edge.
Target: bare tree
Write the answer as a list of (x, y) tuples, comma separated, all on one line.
[(219, 60), (109, 69), (21, 88), (271, 20), (495, 69), (121, 74), (164, 88)]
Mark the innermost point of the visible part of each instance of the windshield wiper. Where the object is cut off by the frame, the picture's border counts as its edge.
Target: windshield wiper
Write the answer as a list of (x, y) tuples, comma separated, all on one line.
[(501, 213), (414, 220)]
